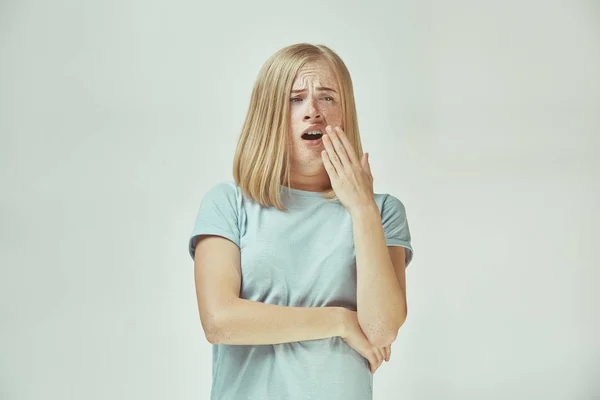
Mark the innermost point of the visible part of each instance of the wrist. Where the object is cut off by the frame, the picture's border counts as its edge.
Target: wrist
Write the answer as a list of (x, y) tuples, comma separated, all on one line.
[(369, 210), (342, 317)]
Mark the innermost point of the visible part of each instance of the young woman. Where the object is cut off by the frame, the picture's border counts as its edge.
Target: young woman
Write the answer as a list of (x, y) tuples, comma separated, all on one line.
[(299, 265)]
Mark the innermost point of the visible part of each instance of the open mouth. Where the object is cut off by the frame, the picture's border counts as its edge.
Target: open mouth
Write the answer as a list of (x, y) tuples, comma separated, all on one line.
[(313, 135)]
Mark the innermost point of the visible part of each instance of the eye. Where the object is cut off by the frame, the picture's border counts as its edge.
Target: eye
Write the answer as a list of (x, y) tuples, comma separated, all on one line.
[(293, 99), (328, 97)]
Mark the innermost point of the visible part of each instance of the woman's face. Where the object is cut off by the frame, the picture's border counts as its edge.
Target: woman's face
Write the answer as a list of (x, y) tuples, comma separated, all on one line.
[(314, 104)]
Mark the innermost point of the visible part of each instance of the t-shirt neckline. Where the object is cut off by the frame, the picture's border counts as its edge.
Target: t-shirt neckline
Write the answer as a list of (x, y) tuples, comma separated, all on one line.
[(299, 192)]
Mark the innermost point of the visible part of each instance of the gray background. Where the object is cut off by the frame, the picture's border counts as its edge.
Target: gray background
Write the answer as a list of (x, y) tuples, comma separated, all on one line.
[(117, 116)]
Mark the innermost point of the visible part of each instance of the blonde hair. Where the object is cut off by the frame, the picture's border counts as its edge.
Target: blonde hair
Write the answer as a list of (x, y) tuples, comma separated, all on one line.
[(262, 157)]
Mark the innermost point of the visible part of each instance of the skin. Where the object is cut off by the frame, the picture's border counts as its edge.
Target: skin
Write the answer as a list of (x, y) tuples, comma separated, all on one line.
[(332, 164), (312, 106)]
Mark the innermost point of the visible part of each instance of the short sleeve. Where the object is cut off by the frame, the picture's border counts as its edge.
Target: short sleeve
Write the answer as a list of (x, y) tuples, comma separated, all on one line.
[(395, 225), (218, 215)]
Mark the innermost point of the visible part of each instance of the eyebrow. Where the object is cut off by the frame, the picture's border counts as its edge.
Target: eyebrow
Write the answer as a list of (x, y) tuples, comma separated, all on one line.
[(320, 88)]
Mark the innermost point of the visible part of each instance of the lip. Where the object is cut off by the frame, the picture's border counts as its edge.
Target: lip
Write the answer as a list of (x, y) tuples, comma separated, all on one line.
[(314, 127), (313, 143)]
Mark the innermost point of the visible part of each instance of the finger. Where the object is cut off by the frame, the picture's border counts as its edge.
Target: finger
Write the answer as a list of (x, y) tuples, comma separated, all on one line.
[(328, 165), (378, 356), (381, 354), (371, 355), (340, 149), (384, 350), (347, 145), (374, 363), (377, 364), (333, 156), (365, 164), (388, 353)]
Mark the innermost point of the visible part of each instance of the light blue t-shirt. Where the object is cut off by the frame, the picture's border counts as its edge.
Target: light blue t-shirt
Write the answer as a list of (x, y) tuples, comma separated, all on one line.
[(301, 257)]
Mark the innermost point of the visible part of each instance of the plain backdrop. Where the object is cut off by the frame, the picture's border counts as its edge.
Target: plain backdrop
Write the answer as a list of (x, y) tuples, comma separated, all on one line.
[(116, 117)]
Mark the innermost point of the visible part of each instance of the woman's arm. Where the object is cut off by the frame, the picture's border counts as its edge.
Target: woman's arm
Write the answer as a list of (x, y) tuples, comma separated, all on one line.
[(381, 286), (252, 322), (227, 319)]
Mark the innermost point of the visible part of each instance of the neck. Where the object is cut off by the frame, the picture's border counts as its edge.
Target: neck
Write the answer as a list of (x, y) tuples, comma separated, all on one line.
[(318, 182)]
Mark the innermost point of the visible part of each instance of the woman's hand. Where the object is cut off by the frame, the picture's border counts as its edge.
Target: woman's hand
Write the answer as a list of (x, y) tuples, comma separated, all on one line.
[(351, 180), (356, 339)]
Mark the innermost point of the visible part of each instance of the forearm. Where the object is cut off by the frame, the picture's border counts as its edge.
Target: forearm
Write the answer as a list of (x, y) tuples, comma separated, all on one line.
[(381, 304), (247, 322)]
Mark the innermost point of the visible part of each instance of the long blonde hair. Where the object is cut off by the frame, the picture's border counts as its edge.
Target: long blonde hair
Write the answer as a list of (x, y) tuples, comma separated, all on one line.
[(262, 157)]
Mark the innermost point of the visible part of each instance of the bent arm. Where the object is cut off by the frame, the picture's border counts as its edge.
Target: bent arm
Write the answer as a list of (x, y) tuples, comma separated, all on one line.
[(228, 319), (252, 322), (381, 296)]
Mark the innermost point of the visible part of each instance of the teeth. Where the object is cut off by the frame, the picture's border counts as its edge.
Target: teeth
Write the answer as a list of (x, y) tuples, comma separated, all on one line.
[(314, 133)]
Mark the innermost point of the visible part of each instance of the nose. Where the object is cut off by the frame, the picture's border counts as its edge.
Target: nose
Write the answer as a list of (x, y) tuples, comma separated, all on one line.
[(312, 112)]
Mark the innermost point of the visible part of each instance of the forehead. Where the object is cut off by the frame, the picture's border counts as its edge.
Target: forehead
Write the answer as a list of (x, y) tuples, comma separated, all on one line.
[(315, 73)]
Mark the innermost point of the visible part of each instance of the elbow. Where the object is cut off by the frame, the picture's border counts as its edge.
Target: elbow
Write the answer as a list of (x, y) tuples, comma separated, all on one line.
[(387, 335), (382, 340), (211, 336), (210, 332), (213, 329), (218, 324), (382, 337)]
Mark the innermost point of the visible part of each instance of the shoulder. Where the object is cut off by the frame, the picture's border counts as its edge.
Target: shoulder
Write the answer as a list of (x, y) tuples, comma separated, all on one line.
[(227, 188), (395, 224), (389, 204), (222, 198), (223, 191), (218, 214)]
